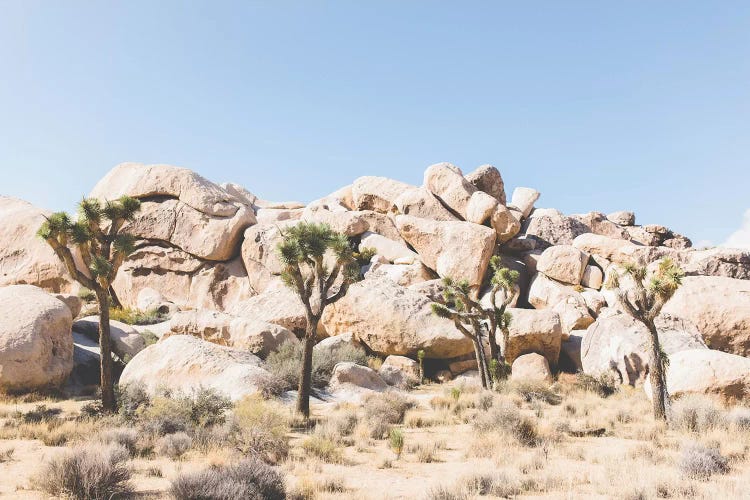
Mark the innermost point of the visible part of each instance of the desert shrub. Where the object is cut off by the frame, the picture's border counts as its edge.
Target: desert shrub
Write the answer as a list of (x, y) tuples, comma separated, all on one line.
[(531, 391), (7, 455), (127, 438), (166, 415), (149, 337), (494, 484), (389, 407), (739, 418), (696, 414), (87, 473), (338, 426), (604, 384), (396, 440), (426, 453), (130, 399), (507, 418), (250, 479), (174, 446), (260, 428), (86, 295), (322, 448), (285, 364), (700, 462), (132, 316), (41, 414), (209, 407)]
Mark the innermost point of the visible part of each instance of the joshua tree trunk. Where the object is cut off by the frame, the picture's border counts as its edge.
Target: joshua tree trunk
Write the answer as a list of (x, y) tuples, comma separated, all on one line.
[(480, 365), (492, 338), (107, 385), (305, 378), (657, 376), (506, 339)]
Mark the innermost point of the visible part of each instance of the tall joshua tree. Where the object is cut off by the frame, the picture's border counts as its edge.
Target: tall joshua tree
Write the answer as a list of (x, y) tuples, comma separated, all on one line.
[(95, 235), (644, 302), (459, 303), (304, 251)]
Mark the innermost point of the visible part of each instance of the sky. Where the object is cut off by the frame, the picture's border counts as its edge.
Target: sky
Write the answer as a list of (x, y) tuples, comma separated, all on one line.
[(605, 106)]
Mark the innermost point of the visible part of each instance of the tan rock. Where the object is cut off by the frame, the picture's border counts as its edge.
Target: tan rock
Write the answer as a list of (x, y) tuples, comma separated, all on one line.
[(399, 371), (597, 223), (727, 262), (74, 302), (36, 346), (621, 345), (523, 199), (545, 293), (24, 257), (260, 255), (447, 183), (592, 277), (563, 263), (505, 223), (126, 341), (620, 251), (705, 371), (595, 301), (570, 352), (147, 181), (278, 305), (377, 193), (185, 364), (403, 274), (481, 208), (531, 366), (720, 309), (622, 218), (487, 178), (347, 374), (388, 248), (273, 215), (420, 202), (392, 319), (460, 250), (536, 331), (550, 227), (330, 345)]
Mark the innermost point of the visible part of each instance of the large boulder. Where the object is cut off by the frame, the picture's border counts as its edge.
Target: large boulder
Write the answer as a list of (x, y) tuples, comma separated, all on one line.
[(126, 341), (597, 223), (278, 305), (36, 346), (399, 371), (420, 202), (377, 193), (536, 331), (563, 263), (621, 345), (260, 255), (488, 179), (622, 218), (392, 319), (24, 257), (447, 183), (249, 334), (352, 223), (570, 352), (505, 223), (330, 346), (545, 293), (620, 251), (533, 367), (727, 262), (719, 307), (347, 373), (403, 274), (523, 199), (460, 250), (705, 371), (547, 227), (182, 363), (390, 249)]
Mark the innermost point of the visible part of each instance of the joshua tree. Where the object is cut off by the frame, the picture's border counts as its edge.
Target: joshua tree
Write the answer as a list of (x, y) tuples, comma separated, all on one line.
[(96, 238), (304, 251), (644, 302), (503, 282)]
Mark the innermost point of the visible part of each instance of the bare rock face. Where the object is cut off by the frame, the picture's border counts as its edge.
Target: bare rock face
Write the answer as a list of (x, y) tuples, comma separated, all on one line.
[(487, 178), (622, 218), (399, 371), (392, 250), (621, 345), (184, 364), (727, 262), (597, 223), (403, 274), (523, 199), (420, 202), (505, 223), (352, 223), (593, 277), (24, 257), (549, 227), (534, 331), (705, 371), (348, 373), (563, 263), (392, 319), (126, 341), (256, 336), (278, 305), (621, 251), (720, 309), (377, 193), (532, 367), (545, 293), (447, 183), (36, 345), (259, 254), (460, 250)]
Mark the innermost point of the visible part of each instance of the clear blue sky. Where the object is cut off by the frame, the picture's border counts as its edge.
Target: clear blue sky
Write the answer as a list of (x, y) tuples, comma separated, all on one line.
[(600, 105)]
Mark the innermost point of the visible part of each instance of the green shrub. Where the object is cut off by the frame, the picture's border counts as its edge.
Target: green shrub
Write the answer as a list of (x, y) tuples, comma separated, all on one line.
[(259, 429), (131, 399), (323, 448), (249, 480), (88, 473), (41, 414), (86, 295), (604, 384), (531, 391), (209, 407), (132, 316), (149, 337), (166, 415), (174, 446), (396, 440)]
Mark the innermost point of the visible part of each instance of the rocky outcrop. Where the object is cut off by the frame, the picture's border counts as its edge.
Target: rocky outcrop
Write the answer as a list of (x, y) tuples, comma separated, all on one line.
[(533, 331), (460, 250), (392, 319), (377, 193), (720, 309), (705, 371), (36, 346), (563, 263), (488, 179), (420, 202), (347, 373), (532, 367), (24, 257), (185, 364), (569, 304), (277, 305), (399, 371), (126, 341), (621, 345)]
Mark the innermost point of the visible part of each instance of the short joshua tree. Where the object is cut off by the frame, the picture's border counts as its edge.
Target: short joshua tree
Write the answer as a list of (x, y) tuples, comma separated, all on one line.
[(95, 236), (459, 303), (307, 251), (644, 301)]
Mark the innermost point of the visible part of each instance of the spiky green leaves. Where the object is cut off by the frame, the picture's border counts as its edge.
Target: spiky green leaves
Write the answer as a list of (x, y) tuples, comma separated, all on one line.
[(124, 244), (55, 225), (440, 310), (503, 319), (666, 280), (90, 210)]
